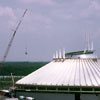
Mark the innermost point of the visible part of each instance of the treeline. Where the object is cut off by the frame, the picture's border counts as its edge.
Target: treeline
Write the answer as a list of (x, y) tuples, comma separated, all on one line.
[(20, 68)]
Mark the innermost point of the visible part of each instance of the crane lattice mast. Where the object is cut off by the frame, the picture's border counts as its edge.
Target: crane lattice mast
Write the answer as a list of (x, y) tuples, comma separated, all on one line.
[(11, 40)]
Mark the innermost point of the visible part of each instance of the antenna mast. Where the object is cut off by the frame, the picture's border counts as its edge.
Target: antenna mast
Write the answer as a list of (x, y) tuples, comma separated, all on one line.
[(11, 40)]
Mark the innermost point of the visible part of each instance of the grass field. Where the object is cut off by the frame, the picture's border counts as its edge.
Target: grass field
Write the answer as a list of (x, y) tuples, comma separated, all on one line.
[(17, 69)]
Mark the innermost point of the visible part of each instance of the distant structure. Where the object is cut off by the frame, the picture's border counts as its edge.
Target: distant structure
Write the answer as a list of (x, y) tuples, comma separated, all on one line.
[(69, 76)]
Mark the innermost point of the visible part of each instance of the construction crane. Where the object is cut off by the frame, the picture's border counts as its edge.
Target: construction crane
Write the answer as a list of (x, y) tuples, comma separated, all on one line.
[(11, 40)]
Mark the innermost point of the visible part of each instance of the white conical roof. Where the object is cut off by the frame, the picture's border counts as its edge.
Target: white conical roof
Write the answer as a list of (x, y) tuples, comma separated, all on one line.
[(67, 72)]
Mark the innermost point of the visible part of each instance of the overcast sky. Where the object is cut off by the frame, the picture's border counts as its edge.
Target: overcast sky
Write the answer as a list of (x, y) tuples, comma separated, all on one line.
[(49, 25)]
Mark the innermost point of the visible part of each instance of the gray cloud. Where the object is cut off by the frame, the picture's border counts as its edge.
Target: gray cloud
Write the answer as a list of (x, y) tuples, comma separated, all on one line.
[(40, 2)]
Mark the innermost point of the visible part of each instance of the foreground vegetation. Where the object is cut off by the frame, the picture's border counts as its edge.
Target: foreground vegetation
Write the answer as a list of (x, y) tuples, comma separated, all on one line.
[(18, 69)]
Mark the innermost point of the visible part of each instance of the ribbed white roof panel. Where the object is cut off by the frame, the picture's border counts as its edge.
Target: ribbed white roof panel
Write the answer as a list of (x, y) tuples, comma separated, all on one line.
[(70, 72)]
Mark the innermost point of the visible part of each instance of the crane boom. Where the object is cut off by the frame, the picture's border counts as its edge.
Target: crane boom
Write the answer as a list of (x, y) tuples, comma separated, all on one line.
[(11, 40)]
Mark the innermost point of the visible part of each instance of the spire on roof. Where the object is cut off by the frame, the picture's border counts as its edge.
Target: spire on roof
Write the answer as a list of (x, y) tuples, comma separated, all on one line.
[(88, 43), (60, 56), (92, 47), (56, 54), (63, 53)]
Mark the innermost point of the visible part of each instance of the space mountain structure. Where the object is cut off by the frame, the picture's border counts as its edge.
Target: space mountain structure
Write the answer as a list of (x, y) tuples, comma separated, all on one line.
[(70, 76)]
